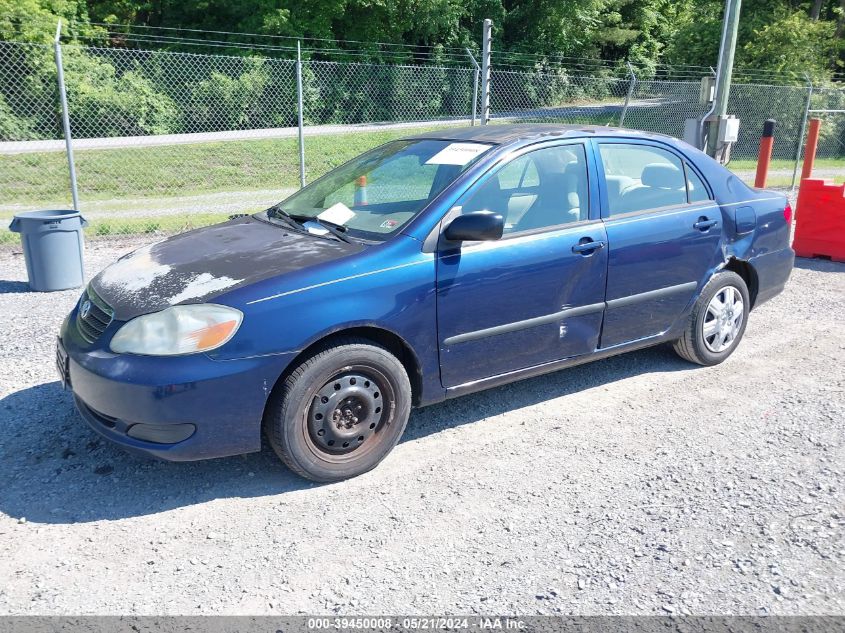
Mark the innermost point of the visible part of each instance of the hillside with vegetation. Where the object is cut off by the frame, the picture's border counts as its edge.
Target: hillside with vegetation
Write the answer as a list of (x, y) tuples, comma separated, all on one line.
[(775, 35)]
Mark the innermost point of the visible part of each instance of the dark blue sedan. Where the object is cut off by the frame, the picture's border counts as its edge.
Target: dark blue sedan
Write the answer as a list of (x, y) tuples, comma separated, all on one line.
[(427, 268)]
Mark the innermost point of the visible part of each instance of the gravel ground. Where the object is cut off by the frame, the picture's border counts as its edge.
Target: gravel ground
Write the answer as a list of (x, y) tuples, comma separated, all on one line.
[(635, 485)]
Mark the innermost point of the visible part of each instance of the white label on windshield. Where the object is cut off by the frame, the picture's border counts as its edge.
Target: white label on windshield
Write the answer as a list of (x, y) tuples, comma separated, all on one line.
[(457, 154), (338, 213)]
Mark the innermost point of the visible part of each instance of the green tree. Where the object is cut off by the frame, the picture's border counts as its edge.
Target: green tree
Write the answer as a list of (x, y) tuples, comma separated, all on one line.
[(773, 35), (795, 43), (103, 102)]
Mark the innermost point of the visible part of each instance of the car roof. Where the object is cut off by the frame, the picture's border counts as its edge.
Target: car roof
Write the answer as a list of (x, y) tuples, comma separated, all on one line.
[(515, 132)]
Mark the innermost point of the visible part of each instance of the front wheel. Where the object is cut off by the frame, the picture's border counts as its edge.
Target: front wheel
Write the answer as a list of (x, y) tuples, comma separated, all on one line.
[(717, 321), (340, 412)]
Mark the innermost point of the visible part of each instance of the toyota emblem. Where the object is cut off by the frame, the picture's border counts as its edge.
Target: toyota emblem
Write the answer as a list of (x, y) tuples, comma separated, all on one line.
[(85, 309)]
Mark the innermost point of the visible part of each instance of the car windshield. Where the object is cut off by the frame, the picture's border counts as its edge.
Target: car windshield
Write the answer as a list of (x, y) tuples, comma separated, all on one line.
[(379, 192)]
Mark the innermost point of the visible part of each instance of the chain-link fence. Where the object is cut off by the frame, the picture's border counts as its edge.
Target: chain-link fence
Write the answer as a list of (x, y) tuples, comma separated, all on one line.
[(546, 95), (828, 105), (166, 141), (831, 147), (29, 112)]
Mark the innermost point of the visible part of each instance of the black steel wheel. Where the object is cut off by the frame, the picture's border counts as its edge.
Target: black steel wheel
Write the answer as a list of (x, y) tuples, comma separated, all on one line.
[(340, 412)]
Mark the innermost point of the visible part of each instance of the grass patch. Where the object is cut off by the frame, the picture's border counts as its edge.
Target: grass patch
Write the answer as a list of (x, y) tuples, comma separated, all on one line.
[(146, 179), (157, 226), (41, 179), (787, 164), (152, 226), (176, 170), (780, 171)]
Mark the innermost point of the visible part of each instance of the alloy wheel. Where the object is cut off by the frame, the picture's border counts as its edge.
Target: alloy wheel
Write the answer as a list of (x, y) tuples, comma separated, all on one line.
[(723, 319)]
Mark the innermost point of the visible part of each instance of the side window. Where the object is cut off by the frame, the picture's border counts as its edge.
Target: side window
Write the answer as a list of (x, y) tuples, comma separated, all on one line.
[(641, 177), (696, 188), (518, 174), (544, 188)]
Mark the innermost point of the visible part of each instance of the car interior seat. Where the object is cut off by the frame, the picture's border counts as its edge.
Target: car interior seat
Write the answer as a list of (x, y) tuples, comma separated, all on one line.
[(661, 185), (562, 198)]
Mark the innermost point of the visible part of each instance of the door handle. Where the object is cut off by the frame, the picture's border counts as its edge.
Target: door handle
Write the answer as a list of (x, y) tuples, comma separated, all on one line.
[(704, 224), (587, 246)]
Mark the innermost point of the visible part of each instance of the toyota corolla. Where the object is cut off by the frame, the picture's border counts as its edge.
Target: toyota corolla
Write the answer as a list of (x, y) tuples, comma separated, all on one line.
[(425, 269)]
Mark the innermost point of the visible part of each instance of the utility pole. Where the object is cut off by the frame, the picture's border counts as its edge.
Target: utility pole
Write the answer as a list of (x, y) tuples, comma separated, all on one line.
[(726, 56), (486, 46), (299, 101), (724, 71), (60, 77), (474, 85)]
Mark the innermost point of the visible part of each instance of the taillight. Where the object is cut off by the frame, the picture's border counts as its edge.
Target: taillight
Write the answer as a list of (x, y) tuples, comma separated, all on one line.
[(787, 213)]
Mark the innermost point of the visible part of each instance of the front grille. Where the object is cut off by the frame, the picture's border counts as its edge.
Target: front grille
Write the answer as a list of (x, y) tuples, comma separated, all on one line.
[(99, 315)]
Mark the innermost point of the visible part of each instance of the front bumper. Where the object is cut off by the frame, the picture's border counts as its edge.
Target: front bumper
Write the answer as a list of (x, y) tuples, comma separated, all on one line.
[(216, 406)]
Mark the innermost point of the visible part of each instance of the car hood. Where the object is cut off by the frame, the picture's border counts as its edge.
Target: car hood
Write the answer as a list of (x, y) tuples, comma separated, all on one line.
[(197, 266)]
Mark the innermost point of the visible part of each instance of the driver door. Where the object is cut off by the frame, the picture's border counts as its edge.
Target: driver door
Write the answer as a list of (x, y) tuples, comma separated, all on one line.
[(537, 294)]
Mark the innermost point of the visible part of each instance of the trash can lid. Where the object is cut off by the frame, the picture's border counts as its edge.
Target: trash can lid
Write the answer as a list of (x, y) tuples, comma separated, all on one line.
[(48, 215), (37, 221)]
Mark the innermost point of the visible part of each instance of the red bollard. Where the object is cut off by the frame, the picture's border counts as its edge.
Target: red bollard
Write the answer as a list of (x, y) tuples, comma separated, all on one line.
[(810, 149), (764, 159)]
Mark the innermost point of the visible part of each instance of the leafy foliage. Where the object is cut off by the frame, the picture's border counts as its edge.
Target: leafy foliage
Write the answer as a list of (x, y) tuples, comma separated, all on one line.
[(773, 35), (110, 96), (12, 126)]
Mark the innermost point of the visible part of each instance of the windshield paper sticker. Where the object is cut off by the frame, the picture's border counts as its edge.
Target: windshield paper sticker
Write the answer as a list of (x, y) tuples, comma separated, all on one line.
[(457, 154), (316, 229), (388, 224), (338, 213)]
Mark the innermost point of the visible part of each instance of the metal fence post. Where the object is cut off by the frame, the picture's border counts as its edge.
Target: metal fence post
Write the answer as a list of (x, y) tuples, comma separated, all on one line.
[(800, 141), (299, 101), (60, 77), (630, 94), (474, 85), (486, 44)]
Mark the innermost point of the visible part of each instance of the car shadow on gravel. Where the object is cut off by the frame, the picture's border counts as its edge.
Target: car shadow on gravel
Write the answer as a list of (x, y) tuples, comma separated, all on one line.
[(518, 395), (56, 470)]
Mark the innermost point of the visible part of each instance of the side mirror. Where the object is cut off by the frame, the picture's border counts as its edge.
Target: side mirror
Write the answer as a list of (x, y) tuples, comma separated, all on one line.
[(475, 226)]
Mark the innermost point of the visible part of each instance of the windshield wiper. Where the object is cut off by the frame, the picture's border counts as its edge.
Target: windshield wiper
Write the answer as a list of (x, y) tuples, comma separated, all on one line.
[(298, 219), (334, 229), (280, 214)]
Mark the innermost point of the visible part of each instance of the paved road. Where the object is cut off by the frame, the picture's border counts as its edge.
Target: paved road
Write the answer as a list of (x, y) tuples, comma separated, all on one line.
[(58, 145)]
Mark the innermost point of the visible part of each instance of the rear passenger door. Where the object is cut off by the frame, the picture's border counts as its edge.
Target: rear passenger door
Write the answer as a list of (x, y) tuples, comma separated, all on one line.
[(663, 231)]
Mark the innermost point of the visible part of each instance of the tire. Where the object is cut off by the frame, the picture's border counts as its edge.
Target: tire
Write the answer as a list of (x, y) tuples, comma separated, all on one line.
[(340, 412), (712, 334)]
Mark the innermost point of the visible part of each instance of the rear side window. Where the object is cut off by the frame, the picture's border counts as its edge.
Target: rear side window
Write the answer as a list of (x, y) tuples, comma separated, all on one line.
[(641, 177), (697, 190)]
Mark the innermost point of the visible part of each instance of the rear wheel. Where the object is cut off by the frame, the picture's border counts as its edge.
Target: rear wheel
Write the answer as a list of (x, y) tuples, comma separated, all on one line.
[(717, 321), (340, 412)]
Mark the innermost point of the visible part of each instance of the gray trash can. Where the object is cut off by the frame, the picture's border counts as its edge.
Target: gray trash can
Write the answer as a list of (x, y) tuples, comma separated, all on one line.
[(52, 247)]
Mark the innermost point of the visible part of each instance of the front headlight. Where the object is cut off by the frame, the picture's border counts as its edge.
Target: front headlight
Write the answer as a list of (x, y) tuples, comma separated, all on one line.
[(183, 329)]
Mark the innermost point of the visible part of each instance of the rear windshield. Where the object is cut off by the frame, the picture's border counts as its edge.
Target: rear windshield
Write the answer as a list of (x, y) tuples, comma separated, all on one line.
[(379, 192)]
